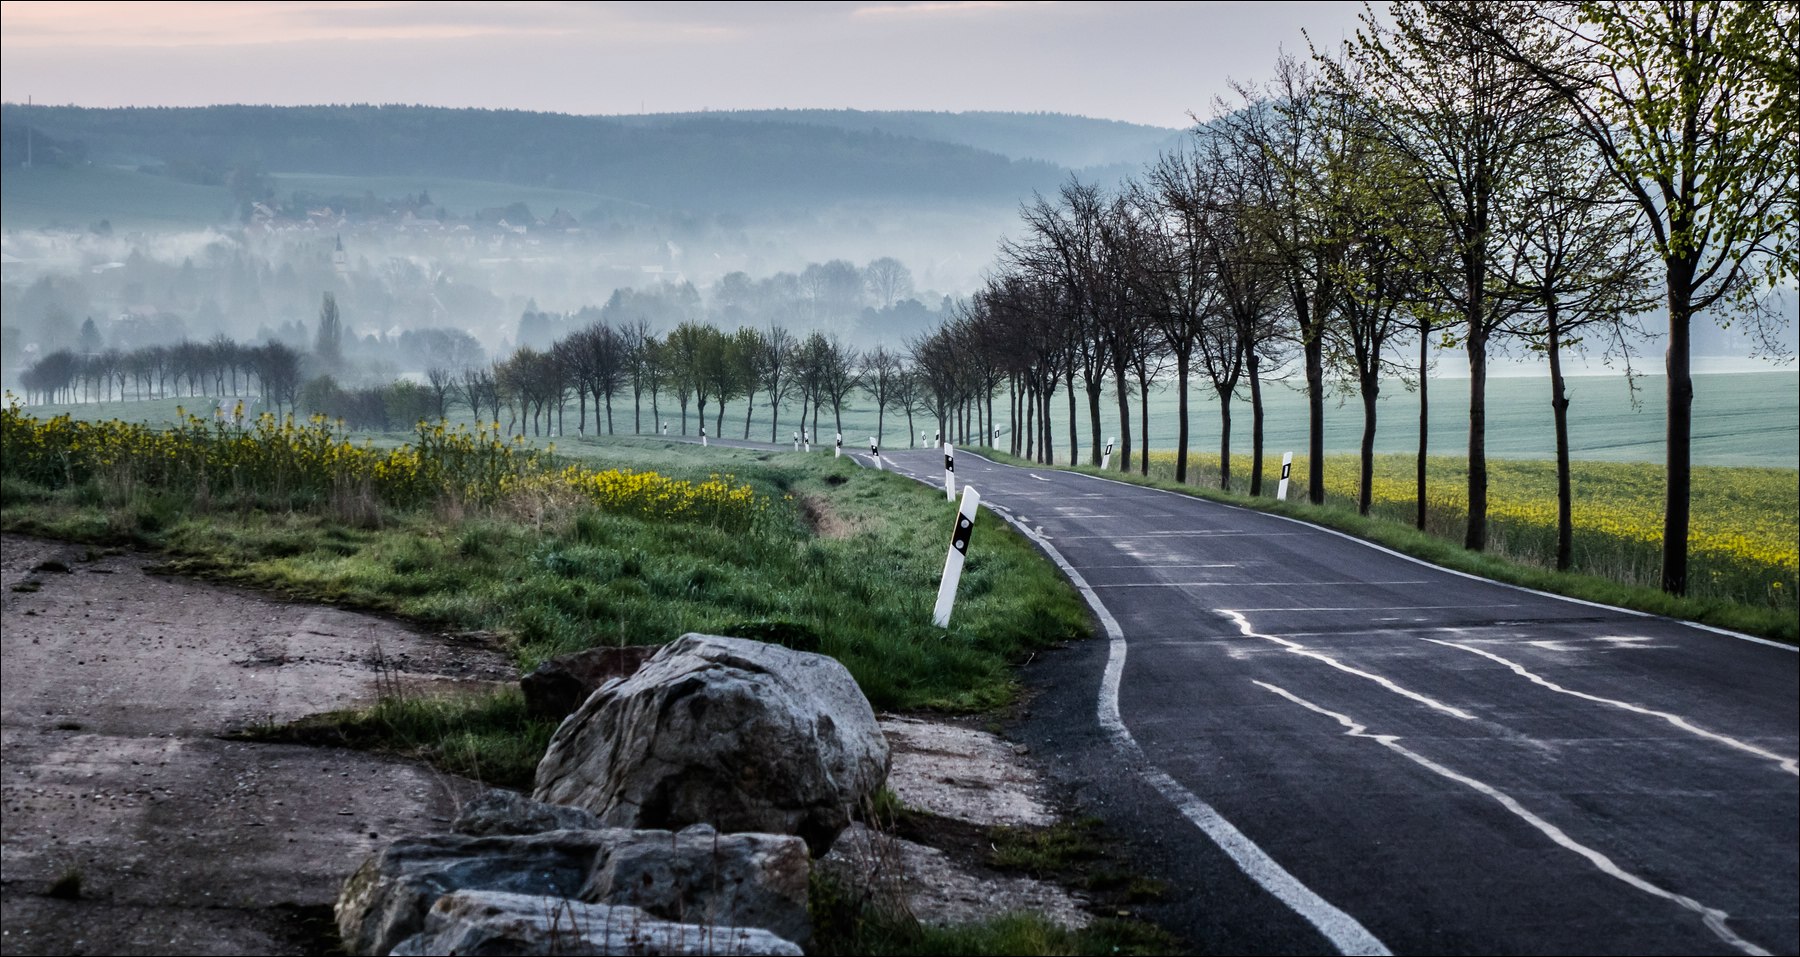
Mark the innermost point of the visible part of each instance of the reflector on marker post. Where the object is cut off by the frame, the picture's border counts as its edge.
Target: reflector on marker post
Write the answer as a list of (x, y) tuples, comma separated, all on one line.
[(1287, 465), (949, 472), (1106, 460), (959, 552), (837, 451)]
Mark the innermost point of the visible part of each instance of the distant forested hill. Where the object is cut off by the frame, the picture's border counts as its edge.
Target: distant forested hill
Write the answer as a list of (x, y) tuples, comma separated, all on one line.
[(696, 161), (1075, 142)]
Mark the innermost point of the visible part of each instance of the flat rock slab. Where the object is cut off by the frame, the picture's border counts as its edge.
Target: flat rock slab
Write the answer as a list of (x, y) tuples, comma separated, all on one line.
[(939, 890), (115, 684), (962, 773)]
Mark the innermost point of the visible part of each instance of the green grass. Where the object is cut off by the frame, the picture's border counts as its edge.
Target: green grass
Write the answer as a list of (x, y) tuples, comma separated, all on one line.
[(564, 580), (1778, 623), (490, 738)]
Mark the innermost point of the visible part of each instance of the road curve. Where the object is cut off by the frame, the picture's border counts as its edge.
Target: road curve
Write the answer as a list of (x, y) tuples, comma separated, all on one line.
[(1326, 746)]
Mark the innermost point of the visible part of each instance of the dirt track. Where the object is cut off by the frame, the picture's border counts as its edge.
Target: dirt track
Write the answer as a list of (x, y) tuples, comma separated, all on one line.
[(115, 685)]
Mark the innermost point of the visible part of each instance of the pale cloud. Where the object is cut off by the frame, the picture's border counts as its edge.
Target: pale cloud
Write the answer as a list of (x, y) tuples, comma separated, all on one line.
[(1147, 62), (936, 9)]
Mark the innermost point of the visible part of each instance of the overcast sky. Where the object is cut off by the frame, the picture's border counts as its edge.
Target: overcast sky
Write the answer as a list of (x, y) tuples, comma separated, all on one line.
[(1145, 62)]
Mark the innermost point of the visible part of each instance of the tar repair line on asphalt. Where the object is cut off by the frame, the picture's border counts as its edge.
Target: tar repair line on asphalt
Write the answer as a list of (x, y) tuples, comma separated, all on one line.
[(1712, 917), (1790, 765), (1342, 930)]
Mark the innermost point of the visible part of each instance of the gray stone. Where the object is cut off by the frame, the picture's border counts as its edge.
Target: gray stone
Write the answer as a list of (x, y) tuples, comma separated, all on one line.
[(698, 876), (739, 734), (557, 686), (702, 876), (387, 898), (508, 812), (498, 923)]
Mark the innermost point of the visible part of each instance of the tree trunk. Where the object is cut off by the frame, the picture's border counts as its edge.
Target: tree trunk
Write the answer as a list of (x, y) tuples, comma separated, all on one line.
[(1424, 422), (1124, 392), (1256, 423), (1093, 393), (1224, 439), (1074, 441), (1315, 416), (1559, 407), (1181, 417), (1143, 425), (1680, 433), (609, 418), (749, 407), (1371, 388), (1475, 535), (581, 421)]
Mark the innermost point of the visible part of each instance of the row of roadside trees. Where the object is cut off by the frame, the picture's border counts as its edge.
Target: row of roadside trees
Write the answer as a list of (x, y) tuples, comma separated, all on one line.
[(1461, 174)]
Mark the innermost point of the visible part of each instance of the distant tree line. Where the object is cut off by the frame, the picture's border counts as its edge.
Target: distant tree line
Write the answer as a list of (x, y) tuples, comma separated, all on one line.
[(219, 367)]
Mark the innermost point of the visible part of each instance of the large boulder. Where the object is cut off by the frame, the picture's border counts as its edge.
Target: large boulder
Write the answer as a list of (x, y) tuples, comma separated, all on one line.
[(499, 923), (738, 734), (697, 876)]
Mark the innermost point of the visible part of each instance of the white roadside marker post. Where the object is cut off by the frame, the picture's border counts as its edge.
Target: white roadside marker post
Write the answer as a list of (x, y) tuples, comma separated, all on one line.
[(796, 441), (949, 472), (996, 442), (1106, 459), (875, 453), (703, 435), (665, 430), (806, 440), (959, 552), (837, 451), (1287, 465)]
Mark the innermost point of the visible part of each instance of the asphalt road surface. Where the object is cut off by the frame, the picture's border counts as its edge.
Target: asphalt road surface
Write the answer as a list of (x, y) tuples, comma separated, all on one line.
[(1325, 746)]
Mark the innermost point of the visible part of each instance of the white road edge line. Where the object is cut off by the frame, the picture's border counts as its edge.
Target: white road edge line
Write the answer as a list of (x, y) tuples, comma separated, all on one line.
[(1790, 765), (1420, 561), (1344, 932), (1713, 918)]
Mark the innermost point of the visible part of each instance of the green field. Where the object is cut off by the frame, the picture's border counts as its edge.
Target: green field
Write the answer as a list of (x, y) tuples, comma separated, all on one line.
[(79, 197)]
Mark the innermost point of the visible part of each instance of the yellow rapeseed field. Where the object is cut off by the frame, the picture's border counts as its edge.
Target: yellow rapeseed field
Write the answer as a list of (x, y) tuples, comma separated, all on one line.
[(1743, 541), (281, 461)]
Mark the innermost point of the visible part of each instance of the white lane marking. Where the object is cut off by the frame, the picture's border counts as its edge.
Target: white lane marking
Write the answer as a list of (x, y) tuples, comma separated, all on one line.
[(1382, 608), (1174, 565), (1448, 571), (1038, 477), (1790, 765), (1195, 534), (1344, 932), (1247, 584), (1305, 652), (1713, 918)]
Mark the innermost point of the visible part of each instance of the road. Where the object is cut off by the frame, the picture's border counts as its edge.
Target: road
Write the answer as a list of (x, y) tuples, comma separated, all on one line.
[(1325, 746)]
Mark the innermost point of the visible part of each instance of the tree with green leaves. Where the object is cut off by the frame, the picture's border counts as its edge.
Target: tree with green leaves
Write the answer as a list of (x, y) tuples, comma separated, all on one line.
[(1690, 106), (1460, 115)]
